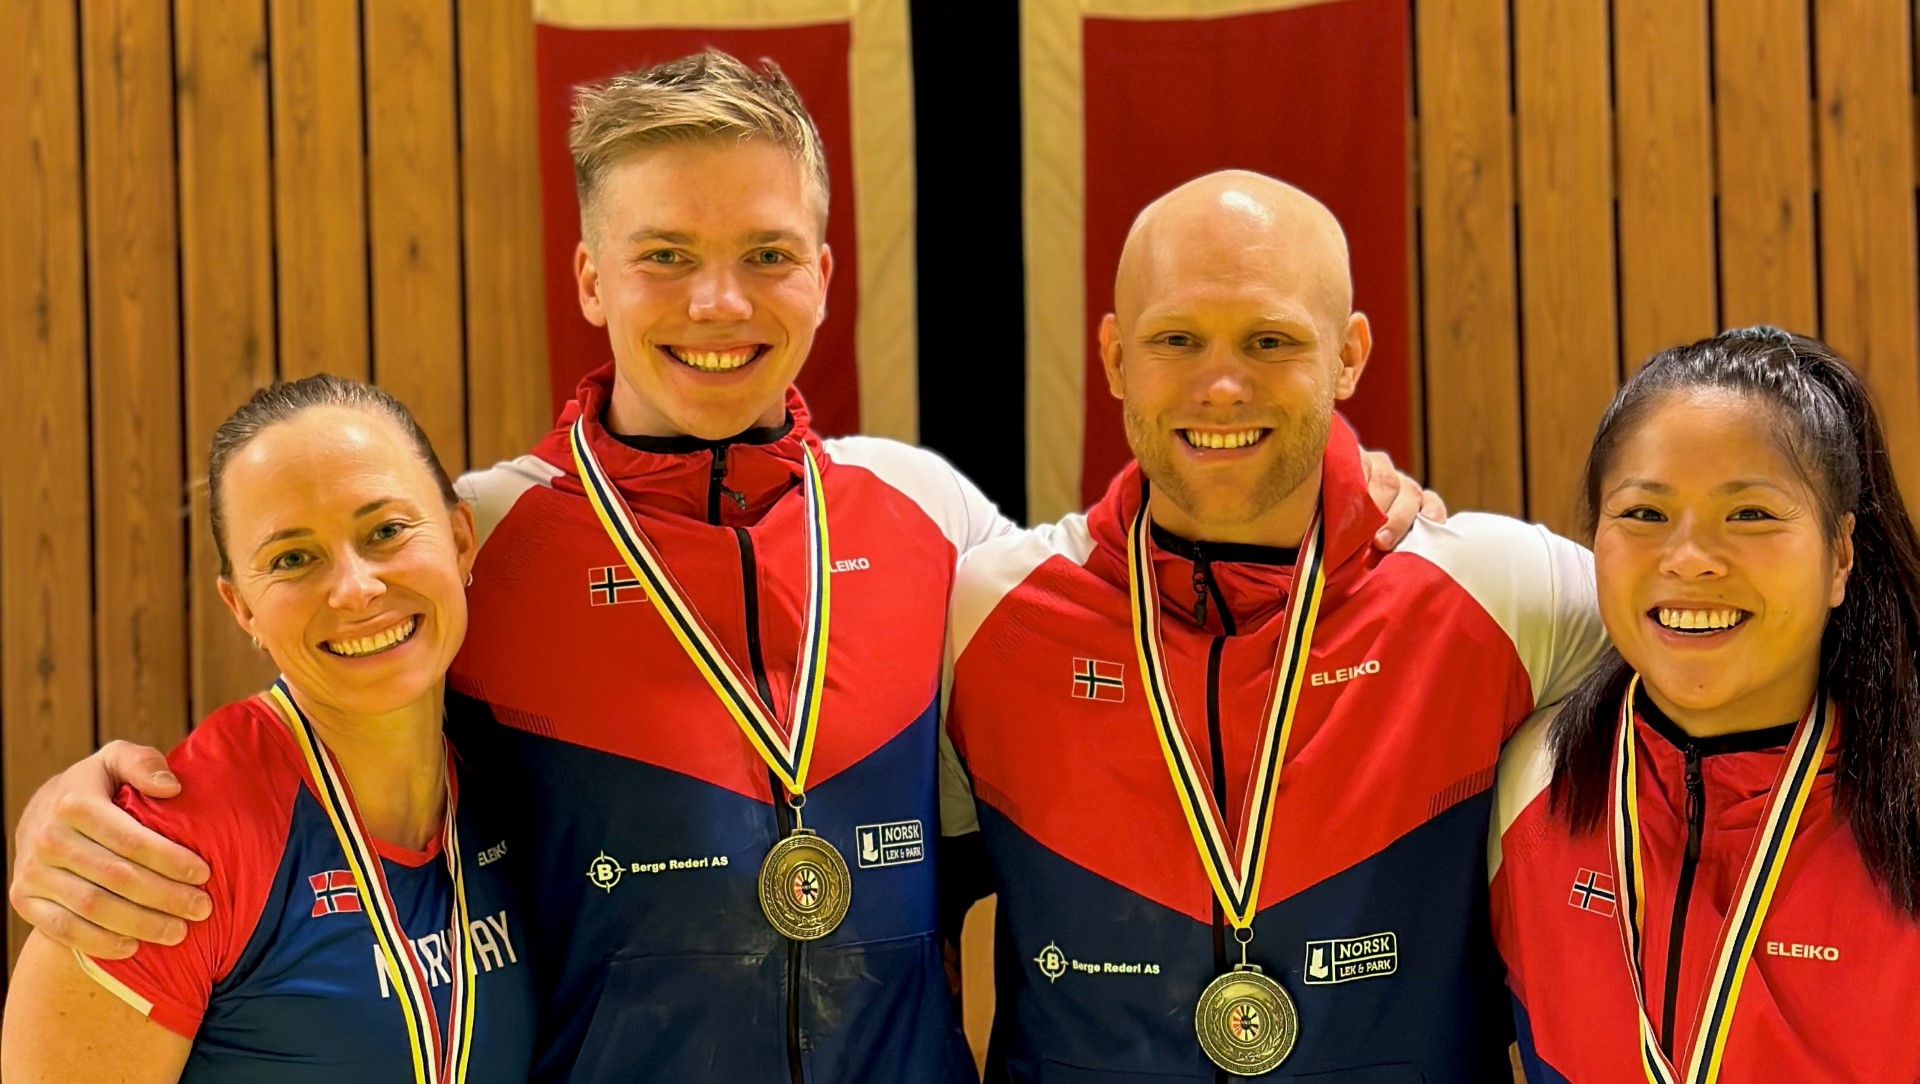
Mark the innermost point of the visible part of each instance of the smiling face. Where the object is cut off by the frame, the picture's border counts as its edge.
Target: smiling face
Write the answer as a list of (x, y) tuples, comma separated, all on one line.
[(348, 566), (1715, 571), (1231, 339), (707, 267)]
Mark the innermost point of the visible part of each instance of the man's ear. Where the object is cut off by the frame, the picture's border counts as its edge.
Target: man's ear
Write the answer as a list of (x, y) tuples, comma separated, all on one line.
[(1110, 355), (826, 277), (1355, 349), (587, 277), (242, 613)]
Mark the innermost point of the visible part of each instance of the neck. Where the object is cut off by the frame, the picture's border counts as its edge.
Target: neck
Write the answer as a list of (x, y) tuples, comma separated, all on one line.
[(1759, 709), (395, 763), (1282, 526)]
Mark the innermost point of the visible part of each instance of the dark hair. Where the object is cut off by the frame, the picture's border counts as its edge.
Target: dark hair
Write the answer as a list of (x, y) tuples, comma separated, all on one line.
[(284, 401), (1826, 423)]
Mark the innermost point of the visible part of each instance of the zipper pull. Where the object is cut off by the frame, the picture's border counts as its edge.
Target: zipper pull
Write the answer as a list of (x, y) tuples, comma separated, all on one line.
[(1696, 801), (739, 499), (1200, 589)]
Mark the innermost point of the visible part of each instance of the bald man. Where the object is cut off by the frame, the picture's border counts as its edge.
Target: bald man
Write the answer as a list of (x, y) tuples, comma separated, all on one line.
[(1232, 765)]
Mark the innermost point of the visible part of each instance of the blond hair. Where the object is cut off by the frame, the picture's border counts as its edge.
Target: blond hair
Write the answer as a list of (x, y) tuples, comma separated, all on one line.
[(700, 97)]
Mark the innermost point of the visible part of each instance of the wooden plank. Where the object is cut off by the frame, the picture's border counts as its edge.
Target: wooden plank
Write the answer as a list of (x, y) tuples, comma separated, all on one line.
[(319, 188), (46, 551), (1867, 272), (1764, 135), (506, 315), (1668, 288), (413, 196), (226, 281), (1569, 347), (134, 314), (1467, 259)]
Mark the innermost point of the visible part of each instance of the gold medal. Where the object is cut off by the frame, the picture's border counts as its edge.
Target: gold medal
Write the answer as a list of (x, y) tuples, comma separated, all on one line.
[(804, 886), (1246, 1022)]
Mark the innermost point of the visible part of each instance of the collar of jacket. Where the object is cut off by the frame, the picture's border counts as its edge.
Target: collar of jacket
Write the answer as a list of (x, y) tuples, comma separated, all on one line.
[(674, 475), (1255, 581), (1738, 770)]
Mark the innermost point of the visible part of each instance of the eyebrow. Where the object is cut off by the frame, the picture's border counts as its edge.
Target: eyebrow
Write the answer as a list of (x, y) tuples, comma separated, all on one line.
[(675, 237), (672, 237), (366, 509), (1722, 490)]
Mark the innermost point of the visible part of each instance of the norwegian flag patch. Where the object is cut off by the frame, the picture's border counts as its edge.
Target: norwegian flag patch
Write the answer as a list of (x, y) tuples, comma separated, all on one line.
[(1098, 679), (334, 892), (1593, 891), (611, 585)]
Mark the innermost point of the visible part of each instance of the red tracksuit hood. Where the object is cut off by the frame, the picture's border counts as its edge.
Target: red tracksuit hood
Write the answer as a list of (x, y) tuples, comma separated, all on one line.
[(675, 475), (1255, 581)]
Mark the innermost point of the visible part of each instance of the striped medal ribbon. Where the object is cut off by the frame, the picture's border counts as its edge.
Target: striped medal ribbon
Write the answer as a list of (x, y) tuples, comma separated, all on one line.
[(1245, 1021), (1740, 931), (436, 1059), (804, 886)]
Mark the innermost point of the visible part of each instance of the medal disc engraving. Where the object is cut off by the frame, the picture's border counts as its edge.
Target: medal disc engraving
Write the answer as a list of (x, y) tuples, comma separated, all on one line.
[(1246, 1022), (805, 887)]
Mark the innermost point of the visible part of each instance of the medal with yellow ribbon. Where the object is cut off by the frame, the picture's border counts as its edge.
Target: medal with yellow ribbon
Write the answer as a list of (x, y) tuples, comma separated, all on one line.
[(1740, 931), (437, 1059), (805, 888), (1244, 1019)]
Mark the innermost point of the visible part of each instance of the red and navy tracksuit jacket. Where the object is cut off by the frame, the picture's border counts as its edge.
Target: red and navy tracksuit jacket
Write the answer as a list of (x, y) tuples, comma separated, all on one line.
[(1372, 910), (284, 981), (1828, 996), (645, 813)]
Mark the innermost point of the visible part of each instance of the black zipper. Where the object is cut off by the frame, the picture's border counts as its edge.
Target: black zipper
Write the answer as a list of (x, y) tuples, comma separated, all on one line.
[(717, 485), (782, 816), (1203, 586), (1683, 894)]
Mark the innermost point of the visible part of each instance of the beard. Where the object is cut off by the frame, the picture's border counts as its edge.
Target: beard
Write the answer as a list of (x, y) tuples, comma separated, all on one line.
[(1298, 443)]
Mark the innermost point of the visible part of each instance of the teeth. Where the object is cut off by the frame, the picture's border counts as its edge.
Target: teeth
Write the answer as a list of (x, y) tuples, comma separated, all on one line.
[(1698, 620), (711, 361), (1222, 440), (379, 641)]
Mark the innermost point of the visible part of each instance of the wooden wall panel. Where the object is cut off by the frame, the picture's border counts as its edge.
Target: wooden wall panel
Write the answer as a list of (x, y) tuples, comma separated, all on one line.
[(506, 316), (1470, 341), (1569, 346), (1662, 123), (413, 201), (46, 562), (1764, 135), (319, 191), (139, 526), (226, 265), (1867, 273)]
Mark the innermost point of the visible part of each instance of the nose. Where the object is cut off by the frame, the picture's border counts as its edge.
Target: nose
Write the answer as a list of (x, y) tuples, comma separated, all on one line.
[(1223, 378), (1693, 549), (356, 583), (717, 296)]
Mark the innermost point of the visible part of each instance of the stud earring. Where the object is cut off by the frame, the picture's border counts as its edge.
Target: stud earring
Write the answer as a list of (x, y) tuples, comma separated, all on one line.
[(256, 643)]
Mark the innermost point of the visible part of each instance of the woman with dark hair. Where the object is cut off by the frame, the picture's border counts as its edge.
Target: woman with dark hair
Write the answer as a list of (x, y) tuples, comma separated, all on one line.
[(363, 925), (1707, 859)]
